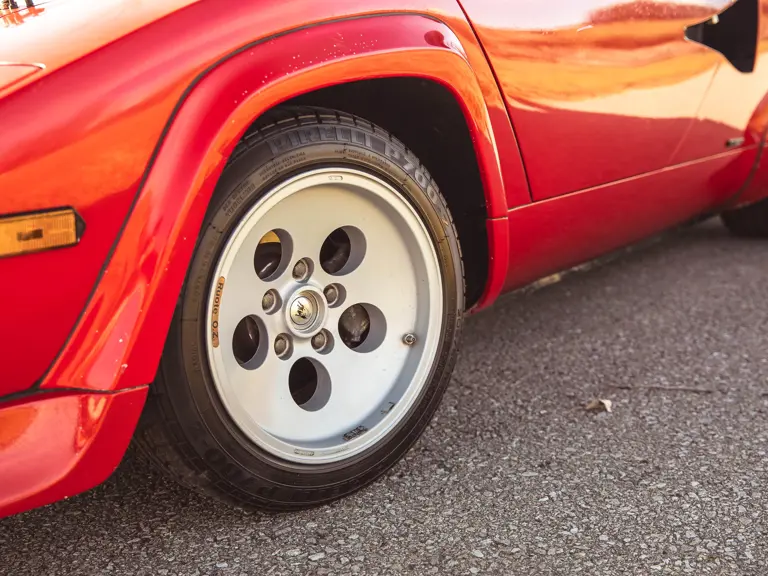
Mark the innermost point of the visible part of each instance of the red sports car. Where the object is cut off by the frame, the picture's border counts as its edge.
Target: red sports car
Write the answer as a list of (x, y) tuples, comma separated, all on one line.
[(244, 234)]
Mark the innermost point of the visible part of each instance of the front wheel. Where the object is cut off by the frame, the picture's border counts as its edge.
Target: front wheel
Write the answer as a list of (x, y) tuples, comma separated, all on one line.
[(318, 325)]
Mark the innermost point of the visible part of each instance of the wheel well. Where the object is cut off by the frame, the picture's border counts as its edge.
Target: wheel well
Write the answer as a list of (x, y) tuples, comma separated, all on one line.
[(426, 117)]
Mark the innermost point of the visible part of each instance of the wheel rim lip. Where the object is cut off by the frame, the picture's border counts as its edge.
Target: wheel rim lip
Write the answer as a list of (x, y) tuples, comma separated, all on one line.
[(421, 374)]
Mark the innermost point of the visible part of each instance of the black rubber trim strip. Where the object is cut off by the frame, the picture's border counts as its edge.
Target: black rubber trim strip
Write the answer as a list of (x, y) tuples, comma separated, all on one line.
[(43, 393), (156, 151)]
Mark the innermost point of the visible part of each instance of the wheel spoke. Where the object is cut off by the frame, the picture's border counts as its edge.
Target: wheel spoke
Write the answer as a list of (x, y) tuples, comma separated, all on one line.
[(361, 382), (262, 394), (386, 279), (397, 300), (238, 301), (308, 220)]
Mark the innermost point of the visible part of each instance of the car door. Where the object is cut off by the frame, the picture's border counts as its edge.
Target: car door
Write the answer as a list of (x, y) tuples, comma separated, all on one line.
[(734, 113), (598, 90)]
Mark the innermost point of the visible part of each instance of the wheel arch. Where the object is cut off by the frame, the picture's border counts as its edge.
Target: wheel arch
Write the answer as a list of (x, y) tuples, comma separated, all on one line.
[(428, 119), (137, 294)]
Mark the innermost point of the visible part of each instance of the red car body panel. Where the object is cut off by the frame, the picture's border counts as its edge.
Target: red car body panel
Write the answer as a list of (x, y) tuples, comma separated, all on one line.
[(735, 105), (55, 446), (616, 85), (57, 33), (131, 124), (100, 147), (557, 234), (134, 300)]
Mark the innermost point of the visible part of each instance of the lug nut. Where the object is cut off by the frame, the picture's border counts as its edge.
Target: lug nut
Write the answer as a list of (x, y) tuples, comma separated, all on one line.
[(335, 294), (282, 346), (270, 301), (318, 341), (409, 339), (322, 342), (331, 294), (301, 270)]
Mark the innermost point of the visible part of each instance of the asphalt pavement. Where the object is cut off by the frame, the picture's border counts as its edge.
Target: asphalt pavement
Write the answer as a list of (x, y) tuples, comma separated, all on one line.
[(514, 476)]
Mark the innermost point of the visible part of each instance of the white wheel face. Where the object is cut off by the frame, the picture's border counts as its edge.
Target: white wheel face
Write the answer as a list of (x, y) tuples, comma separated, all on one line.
[(324, 316)]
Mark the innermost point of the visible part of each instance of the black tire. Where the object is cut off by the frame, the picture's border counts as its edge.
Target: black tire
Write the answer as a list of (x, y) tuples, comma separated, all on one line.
[(748, 222), (185, 429)]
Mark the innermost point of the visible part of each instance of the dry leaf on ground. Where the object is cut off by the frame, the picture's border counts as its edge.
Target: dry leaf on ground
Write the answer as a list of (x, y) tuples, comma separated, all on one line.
[(599, 405)]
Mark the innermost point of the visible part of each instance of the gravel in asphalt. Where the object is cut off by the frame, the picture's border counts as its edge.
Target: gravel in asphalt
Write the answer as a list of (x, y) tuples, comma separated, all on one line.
[(514, 476)]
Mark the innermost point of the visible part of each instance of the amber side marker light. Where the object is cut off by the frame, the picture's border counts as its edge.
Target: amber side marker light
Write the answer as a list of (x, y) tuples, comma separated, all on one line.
[(34, 232)]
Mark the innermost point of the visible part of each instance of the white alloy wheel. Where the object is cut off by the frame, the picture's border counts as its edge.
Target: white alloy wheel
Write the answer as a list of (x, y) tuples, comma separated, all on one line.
[(326, 308)]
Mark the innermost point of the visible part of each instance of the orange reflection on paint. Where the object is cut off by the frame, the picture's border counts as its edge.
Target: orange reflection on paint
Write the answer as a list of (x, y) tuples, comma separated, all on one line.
[(17, 16), (14, 422), (91, 412)]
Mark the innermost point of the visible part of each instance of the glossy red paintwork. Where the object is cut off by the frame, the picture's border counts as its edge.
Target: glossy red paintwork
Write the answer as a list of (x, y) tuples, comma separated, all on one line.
[(99, 146), (601, 90), (735, 104), (757, 189), (11, 74), (621, 123), (57, 33), (53, 447), (119, 340), (557, 234)]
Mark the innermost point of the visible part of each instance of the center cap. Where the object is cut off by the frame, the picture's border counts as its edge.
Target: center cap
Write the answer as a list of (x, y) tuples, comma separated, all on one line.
[(303, 311)]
